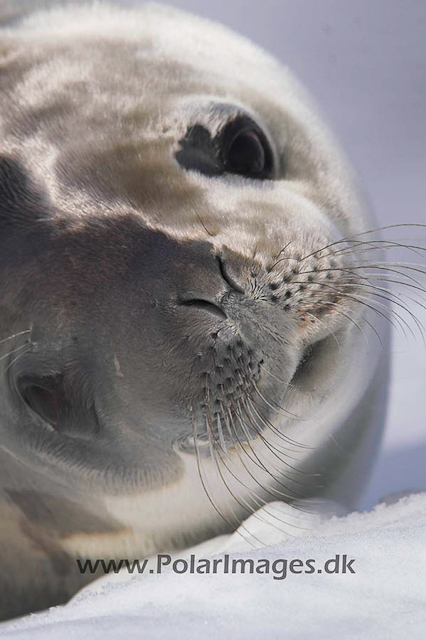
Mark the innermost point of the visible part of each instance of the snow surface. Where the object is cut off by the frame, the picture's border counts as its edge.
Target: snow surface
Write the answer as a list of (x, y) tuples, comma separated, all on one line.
[(384, 599)]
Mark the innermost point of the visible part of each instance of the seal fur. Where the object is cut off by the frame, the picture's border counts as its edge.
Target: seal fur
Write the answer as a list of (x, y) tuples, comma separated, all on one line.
[(180, 344)]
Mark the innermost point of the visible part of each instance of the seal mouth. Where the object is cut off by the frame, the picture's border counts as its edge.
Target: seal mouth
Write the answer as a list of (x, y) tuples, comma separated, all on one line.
[(308, 357), (317, 366)]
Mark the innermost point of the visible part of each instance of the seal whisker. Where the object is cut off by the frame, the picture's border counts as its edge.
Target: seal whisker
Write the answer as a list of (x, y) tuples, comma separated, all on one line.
[(280, 449), (384, 266), (220, 432), (392, 312), (289, 440), (377, 245), (267, 489), (15, 359), (391, 297), (15, 335), (339, 346), (298, 445), (283, 258), (215, 454), (259, 502), (232, 526), (386, 310), (290, 385), (278, 407), (239, 446), (372, 276), (356, 324), (258, 431), (385, 293), (258, 463), (282, 460), (353, 297), (356, 235), (10, 353)]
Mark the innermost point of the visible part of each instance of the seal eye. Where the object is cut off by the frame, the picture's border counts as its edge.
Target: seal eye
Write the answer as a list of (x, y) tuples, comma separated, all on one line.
[(246, 151), (240, 147), (66, 407), (246, 154), (43, 402)]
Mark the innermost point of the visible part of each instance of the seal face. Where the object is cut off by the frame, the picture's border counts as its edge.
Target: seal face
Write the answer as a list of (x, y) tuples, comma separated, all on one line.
[(183, 320)]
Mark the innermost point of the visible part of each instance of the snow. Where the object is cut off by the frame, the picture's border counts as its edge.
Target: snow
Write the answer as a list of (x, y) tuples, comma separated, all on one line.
[(384, 598)]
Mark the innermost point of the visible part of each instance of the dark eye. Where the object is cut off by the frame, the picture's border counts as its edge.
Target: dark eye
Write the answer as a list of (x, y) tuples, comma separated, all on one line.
[(246, 150), (42, 399), (240, 147), (246, 154), (69, 410)]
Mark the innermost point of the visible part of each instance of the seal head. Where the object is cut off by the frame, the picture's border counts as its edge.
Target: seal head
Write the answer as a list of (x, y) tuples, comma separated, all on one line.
[(180, 302)]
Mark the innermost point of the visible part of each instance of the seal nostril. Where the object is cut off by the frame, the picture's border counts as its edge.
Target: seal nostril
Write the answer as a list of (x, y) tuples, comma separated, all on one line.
[(204, 305), (225, 275)]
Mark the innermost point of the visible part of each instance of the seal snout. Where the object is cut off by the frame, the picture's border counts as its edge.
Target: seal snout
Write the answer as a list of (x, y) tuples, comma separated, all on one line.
[(215, 307)]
